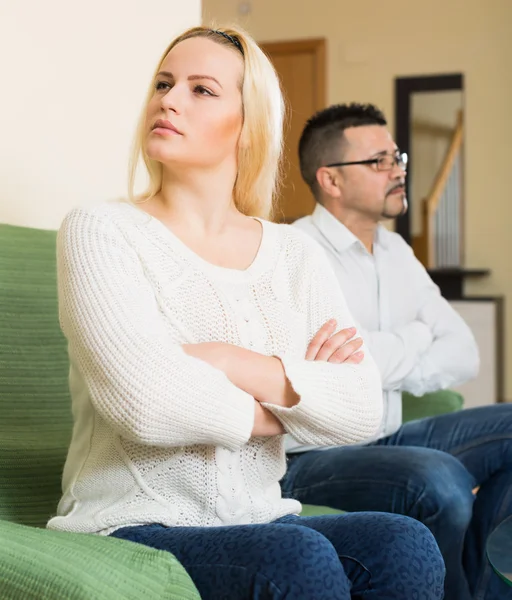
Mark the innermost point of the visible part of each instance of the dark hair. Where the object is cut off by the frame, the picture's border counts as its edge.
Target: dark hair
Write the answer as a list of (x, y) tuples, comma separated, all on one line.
[(320, 142)]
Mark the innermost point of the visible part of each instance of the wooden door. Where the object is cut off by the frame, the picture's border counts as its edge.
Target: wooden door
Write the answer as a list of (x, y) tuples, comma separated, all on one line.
[(301, 68)]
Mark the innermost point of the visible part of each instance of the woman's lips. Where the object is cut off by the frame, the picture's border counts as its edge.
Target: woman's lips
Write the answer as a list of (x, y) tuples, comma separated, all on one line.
[(164, 127)]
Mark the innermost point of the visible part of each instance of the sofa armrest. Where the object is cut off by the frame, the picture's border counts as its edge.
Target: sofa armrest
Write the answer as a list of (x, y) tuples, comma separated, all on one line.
[(38, 564)]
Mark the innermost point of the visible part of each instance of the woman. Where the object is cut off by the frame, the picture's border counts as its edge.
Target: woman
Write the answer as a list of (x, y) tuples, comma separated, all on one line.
[(198, 334)]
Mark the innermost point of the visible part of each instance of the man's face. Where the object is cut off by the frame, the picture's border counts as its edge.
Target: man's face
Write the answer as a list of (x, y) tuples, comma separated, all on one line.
[(364, 188)]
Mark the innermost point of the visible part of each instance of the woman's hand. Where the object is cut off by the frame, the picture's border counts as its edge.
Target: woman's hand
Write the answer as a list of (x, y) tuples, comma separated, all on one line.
[(335, 347)]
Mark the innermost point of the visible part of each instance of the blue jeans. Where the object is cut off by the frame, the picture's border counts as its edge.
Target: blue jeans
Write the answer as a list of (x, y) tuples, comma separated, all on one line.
[(368, 556), (426, 470)]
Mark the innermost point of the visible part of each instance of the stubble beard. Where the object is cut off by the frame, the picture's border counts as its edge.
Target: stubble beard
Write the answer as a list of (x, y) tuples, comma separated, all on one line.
[(387, 214)]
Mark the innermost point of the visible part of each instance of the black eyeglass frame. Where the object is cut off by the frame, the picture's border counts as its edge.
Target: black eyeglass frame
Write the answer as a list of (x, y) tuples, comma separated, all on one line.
[(399, 158)]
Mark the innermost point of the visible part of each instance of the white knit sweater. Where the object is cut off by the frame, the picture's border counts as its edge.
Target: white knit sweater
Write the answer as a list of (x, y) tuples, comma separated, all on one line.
[(159, 436)]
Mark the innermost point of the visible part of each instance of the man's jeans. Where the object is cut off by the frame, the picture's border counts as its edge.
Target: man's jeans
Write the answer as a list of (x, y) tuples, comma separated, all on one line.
[(426, 470)]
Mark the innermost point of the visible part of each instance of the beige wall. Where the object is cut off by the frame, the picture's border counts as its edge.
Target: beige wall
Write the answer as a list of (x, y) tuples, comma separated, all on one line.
[(372, 43), (73, 76)]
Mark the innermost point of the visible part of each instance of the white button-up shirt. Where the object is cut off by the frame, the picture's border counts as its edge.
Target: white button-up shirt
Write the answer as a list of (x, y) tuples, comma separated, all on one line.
[(418, 340)]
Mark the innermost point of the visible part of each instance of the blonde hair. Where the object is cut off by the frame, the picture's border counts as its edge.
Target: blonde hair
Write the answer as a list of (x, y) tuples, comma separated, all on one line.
[(261, 139)]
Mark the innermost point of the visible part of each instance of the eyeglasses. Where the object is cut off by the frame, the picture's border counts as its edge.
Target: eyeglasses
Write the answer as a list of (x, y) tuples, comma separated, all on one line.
[(384, 162)]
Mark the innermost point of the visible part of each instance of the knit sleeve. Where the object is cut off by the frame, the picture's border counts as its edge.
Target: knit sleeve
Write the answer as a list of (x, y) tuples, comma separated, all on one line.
[(139, 380), (339, 403)]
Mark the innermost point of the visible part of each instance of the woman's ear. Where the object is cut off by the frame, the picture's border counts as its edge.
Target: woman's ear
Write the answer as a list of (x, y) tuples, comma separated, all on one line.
[(328, 180)]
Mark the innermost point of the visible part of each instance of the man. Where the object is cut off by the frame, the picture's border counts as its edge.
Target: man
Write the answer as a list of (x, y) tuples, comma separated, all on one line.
[(428, 468)]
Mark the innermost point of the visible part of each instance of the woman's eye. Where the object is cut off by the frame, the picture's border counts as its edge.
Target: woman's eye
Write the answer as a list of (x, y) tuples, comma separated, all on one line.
[(203, 91), (162, 85)]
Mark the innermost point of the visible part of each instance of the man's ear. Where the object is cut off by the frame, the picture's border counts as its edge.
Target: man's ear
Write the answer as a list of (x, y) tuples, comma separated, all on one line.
[(328, 181)]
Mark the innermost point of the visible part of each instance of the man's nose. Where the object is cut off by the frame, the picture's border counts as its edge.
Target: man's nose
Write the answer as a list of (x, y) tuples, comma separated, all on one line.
[(399, 170)]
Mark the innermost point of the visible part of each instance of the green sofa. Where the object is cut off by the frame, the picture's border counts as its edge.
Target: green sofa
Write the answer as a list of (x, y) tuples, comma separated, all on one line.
[(35, 428)]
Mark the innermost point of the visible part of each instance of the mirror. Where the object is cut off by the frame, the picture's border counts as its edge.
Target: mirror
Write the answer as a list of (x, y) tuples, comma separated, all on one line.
[(429, 127)]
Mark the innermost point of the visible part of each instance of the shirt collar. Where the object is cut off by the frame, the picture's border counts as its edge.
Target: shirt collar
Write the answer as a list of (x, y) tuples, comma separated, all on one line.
[(382, 236), (339, 236)]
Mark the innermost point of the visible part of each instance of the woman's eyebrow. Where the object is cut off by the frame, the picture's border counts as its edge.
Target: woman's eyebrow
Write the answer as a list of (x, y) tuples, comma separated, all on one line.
[(191, 77)]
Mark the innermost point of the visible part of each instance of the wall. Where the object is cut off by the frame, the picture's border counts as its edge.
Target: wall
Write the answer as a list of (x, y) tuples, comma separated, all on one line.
[(73, 79), (371, 44)]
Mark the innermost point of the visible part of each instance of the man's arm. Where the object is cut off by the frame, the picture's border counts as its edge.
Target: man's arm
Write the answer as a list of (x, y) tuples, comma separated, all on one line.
[(453, 357), (435, 351), (398, 352)]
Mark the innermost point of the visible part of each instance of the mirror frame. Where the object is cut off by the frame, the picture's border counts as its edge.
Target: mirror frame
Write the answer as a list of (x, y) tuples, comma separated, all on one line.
[(405, 87)]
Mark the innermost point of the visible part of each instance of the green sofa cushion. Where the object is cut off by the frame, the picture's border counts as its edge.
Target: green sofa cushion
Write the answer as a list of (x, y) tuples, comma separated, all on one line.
[(48, 565), (30, 474), (430, 405), (35, 406), (308, 510)]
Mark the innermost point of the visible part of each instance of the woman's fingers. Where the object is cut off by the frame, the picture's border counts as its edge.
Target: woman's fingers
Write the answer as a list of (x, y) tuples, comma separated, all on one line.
[(335, 342), (346, 351), (354, 359), (336, 347), (323, 334)]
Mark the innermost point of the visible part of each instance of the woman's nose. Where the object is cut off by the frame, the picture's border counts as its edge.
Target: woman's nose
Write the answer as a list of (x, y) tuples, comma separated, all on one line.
[(173, 100)]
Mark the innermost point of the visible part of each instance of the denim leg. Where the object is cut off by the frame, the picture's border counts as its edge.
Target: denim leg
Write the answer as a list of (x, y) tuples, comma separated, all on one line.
[(481, 438), (386, 557), (274, 561), (493, 504), (428, 485)]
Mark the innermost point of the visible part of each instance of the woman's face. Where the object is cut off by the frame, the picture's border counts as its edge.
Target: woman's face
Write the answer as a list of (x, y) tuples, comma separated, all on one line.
[(194, 118)]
